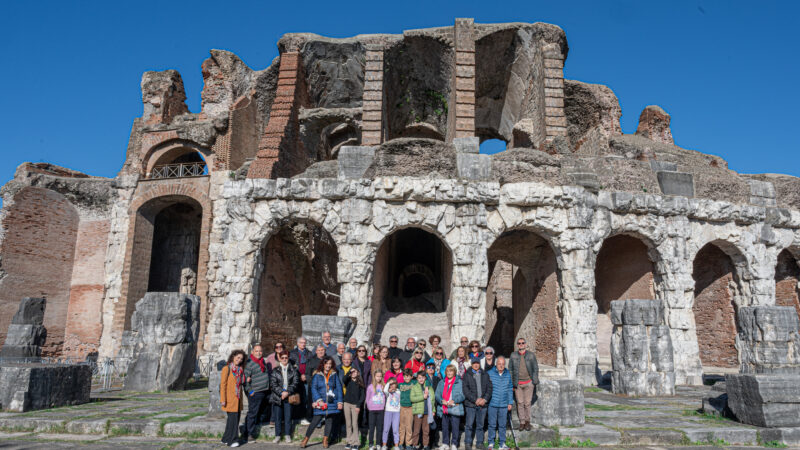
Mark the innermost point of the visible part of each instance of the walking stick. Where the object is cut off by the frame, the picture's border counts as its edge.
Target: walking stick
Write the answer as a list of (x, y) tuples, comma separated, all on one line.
[(511, 425)]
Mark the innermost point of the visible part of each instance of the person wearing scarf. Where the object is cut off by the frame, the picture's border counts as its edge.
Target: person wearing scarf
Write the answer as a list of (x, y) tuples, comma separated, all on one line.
[(450, 398), (326, 398), (256, 373), (230, 396), (284, 382), (460, 362)]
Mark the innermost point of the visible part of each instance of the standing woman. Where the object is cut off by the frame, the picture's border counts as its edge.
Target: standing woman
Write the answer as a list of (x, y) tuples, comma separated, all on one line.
[(326, 400), (230, 396), (395, 371), (284, 381), (450, 398), (383, 362), (362, 363), (460, 361), (475, 350)]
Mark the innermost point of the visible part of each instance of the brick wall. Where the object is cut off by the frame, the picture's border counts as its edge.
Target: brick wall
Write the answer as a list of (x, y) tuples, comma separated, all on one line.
[(555, 119), (787, 276), (37, 256), (84, 314), (622, 271), (372, 117), (714, 312), (463, 122), (240, 141)]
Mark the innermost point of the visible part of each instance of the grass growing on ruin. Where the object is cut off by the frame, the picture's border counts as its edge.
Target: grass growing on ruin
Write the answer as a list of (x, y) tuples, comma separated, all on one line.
[(774, 444), (593, 389), (167, 420), (565, 442), (593, 407), (121, 431), (708, 417)]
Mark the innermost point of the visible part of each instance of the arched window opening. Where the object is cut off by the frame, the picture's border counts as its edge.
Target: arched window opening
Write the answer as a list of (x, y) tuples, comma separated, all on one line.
[(190, 164), (176, 245), (787, 281)]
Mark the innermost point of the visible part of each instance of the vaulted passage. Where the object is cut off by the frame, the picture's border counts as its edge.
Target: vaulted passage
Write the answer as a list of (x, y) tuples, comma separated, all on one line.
[(522, 296), (176, 243), (714, 310), (298, 277), (411, 284), (787, 277), (623, 271)]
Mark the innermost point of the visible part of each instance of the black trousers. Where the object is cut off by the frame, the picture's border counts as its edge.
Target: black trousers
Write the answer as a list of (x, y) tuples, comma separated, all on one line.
[(330, 421), (231, 429), (375, 426), (255, 407)]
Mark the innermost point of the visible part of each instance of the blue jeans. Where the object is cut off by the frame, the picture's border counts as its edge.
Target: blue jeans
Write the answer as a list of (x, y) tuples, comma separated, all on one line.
[(497, 421), (282, 413), (476, 417)]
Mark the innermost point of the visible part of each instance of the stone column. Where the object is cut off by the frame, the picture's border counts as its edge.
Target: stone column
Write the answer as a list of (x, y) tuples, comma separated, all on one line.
[(461, 121), (372, 101)]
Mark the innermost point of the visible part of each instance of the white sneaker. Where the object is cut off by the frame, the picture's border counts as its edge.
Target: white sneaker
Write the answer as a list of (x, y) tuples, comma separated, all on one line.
[(383, 447), (287, 439), (277, 440), (491, 446), (444, 447), (453, 447), (235, 444), (305, 422), (504, 447)]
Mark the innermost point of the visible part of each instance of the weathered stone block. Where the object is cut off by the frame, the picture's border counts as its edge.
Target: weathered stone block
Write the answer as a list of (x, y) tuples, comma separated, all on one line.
[(658, 166), (354, 160), (641, 349), (474, 166), (166, 325), (558, 402), (30, 312), (765, 400), (26, 387), (341, 328), (26, 334), (768, 340), (467, 144), (676, 183)]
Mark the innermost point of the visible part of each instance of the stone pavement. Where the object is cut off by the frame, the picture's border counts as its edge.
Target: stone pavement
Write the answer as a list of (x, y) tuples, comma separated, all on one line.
[(177, 420)]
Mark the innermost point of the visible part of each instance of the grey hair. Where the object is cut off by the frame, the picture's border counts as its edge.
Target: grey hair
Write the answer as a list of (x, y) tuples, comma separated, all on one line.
[(326, 331), (301, 337), (488, 348), (499, 357), (319, 346)]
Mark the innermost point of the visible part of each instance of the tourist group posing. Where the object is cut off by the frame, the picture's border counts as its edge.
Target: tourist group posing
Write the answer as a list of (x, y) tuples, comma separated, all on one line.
[(414, 397)]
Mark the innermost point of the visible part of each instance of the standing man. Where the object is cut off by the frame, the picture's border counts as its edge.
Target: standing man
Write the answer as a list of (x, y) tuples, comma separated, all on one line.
[(352, 346), (330, 348), (299, 357), (344, 368), (256, 375), (408, 352), (477, 393), (524, 377), (501, 402), (394, 351)]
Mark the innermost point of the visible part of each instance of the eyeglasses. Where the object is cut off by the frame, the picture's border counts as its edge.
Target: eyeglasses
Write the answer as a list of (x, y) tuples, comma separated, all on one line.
[(439, 353), (474, 345), (464, 342), (362, 351), (421, 345), (393, 341), (490, 353), (417, 353), (284, 358), (521, 343)]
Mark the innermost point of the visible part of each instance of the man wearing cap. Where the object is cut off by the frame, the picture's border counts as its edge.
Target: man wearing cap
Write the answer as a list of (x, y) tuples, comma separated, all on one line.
[(477, 394)]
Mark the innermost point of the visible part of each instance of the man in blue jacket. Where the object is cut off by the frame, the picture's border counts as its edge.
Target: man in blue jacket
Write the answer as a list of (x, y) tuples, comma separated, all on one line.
[(477, 394), (501, 403)]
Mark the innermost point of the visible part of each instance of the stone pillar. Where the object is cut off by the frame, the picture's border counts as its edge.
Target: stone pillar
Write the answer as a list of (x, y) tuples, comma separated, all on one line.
[(282, 115), (675, 287), (372, 102), (768, 340), (462, 113), (641, 349), (555, 118)]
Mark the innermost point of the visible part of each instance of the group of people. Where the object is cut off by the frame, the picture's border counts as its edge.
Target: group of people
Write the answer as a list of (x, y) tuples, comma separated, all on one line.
[(412, 397)]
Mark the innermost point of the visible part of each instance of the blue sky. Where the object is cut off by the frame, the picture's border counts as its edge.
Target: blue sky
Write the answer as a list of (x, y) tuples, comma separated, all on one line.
[(727, 72)]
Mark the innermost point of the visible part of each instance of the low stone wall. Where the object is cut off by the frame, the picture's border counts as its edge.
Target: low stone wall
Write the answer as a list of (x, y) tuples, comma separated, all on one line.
[(558, 403), (641, 349), (26, 387)]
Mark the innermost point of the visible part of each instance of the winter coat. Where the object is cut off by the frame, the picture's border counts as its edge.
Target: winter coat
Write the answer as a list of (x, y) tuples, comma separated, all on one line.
[(276, 382), (319, 391), (457, 396), (355, 393), (502, 390), (443, 365), (471, 388), (530, 362), (364, 368), (227, 391), (259, 381), (418, 399), (294, 357)]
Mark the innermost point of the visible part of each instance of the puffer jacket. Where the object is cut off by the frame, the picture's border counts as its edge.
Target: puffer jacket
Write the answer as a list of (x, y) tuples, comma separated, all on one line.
[(457, 396), (276, 382), (319, 391)]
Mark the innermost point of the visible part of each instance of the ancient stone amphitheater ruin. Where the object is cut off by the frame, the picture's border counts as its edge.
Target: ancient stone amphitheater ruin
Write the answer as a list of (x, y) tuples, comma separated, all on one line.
[(346, 179)]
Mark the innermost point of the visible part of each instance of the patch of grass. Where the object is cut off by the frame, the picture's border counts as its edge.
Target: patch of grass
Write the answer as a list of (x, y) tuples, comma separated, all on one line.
[(775, 444), (707, 416), (593, 389), (715, 442), (199, 435), (18, 429), (566, 442), (593, 407), (121, 431)]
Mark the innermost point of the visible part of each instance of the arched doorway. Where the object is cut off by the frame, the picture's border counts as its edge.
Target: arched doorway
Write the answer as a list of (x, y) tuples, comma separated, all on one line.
[(715, 283), (522, 295), (787, 281), (297, 277), (623, 271), (411, 285)]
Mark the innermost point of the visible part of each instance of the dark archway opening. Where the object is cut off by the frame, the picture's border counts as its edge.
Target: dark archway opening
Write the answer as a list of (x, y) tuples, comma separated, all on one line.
[(623, 271), (522, 295), (298, 277), (787, 281), (714, 309), (176, 245)]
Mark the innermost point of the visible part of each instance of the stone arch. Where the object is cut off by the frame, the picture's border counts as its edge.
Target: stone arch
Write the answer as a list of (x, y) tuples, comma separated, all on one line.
[(624, 269), (143, 212), (37, 250), (169, 151), (787, 278), (523, 294), (296, 274), (420, 250), (717, 275)]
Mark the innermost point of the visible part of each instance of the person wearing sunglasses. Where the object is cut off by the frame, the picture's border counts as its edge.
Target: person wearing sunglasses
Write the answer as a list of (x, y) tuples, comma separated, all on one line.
[(475, 350), (488, 361), (417, 361), (423, 345), (463, 342), (524, 377), (439, 362), (394, 350), (284, 380)]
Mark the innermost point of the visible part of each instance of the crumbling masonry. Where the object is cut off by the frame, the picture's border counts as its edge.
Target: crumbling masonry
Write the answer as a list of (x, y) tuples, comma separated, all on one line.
[(345, 179)]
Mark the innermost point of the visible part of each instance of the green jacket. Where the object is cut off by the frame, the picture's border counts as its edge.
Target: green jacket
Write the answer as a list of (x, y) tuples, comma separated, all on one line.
[(405, 392), (418, 397)]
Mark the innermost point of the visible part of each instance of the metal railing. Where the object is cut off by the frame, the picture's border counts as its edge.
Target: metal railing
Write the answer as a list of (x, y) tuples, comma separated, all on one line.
[(181, 170)]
